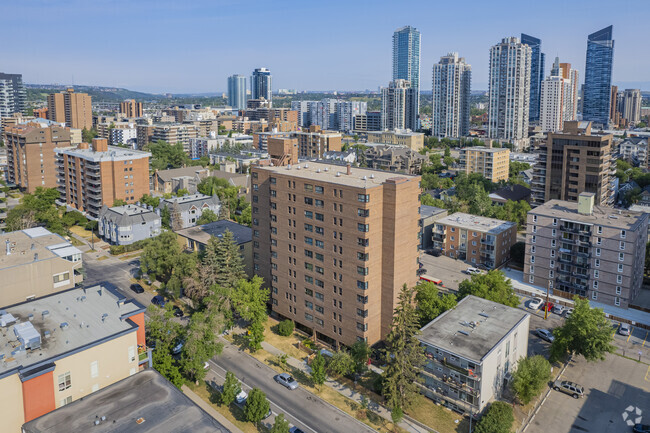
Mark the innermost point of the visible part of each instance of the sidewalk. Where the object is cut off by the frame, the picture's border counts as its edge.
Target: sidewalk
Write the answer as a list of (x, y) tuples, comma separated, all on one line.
[(213, 413), (406, 424)]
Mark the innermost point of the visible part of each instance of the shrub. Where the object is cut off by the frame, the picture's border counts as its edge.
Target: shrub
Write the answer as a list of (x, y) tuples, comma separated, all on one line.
[(285, 328), (309, 344), (497, 419)]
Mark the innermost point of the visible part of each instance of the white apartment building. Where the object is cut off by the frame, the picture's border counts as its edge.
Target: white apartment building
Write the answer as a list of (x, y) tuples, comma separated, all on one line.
[(397, 110), (451, 88), (559, 97)]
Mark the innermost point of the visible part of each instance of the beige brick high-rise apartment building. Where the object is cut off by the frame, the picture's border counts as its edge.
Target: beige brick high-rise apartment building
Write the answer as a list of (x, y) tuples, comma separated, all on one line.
[(30, 154), (73, 109), (336, 245), (587, 250), (131, 108), (492, 163), (89, 177)]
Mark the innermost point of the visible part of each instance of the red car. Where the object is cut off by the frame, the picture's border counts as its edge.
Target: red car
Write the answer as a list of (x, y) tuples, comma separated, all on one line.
[(547, 306)]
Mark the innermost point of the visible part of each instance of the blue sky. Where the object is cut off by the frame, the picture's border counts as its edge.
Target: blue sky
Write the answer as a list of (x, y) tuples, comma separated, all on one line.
[(193, 45)]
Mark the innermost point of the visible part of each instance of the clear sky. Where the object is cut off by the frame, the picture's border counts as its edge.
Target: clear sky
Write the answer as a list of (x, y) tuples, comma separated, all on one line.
[(193, 45)]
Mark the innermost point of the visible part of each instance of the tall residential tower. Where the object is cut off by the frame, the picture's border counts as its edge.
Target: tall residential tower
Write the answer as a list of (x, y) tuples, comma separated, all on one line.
[(12, 94), (536, 74), (406, 63), (237, 92), (398, 106), (451, 88), (261, 84), (598, 77)]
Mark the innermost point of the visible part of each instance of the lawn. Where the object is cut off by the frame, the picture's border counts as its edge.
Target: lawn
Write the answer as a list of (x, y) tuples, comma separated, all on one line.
[(288, 345), (82, 232), (437, 417)]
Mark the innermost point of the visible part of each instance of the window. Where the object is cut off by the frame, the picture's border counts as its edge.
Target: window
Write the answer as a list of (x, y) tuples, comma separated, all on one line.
[(533, 239), (550, 274), (552, 264), (596, 273), (532, 269), (320, 244), (320, 296), (309, 305), (309, 279), (319, 203), (597, 263), (594, 295), (598, 252), (309, 266), (364, 213), (553, 232), (363, 198), (620, 267), (309, 214), (553, 243), (64, 381), (621, 245), (617, 301), (309, 317), (622, 234), (309, 200), (319, 257), (621, 256), (362, 285), (66, 400), (309, 292), (272, 180), (600, 230), (362, 256), (319, 309), (532, 249), (618, 290), (320, 231), (363, 227), (554, 221), (309, 187), (309, 241), (309, 254), (59, 278), (534, 229), (94, 367), (318, 189), (619, 279), (362, 313), (320, 217), (362, 299), (531, 279), (363, 242), (532, 259), (599, 241), (309, 227), (596, 285), (320, 270), (534, 218)]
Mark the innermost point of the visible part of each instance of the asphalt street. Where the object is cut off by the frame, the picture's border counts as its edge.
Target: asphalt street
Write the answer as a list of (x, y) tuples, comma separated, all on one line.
[(301, 407)]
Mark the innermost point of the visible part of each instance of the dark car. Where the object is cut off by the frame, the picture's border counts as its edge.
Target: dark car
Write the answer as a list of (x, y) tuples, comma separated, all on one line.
[(641, 428), (177, 311), (421, 271), (137, 288), (158, 300), (295, 429)]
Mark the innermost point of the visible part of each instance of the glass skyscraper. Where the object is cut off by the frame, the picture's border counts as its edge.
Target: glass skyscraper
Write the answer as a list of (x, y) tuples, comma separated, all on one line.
[(598, 77), (261, 84), (237, 92), (406, 62), (536, 74)]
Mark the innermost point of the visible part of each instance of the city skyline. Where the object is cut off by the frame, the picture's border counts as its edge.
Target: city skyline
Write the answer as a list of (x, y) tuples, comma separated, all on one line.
[(368, 61)]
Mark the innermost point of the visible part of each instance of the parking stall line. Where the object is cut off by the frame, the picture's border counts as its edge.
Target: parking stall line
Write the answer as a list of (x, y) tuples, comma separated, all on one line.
[(647, 375), (629, 336), (616, 329), (645, 338)]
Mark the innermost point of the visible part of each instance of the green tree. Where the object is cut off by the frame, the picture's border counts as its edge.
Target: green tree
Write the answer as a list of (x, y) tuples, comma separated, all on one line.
[(360, 352), (165, 365), (404, 354), (396, 415), (164, 332), (493, 286), (257, 406), (255, 336), (517, 167), (162, 258), (166, 218), (165, 155), (87, 135), (249, 299), (585, 332), (207, 216), (230, 265), (150, 201), (430, 303), (119, 202), (531, 377), (280, 425), (318, 374), (200, 345), (285, 328), (497, 419), (341, 363), (182, 192), (231, 387)]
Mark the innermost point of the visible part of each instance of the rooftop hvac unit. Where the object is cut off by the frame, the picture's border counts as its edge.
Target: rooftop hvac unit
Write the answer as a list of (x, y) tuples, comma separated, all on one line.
[(28, 336)]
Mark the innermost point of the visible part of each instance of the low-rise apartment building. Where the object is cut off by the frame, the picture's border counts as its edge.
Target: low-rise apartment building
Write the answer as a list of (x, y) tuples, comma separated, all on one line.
[(587, 250), (186, 210), (170, 181), (89, 177), (30, 154), (314, 142), (394, 158), (401, 137), (428, 216), (475, 239), (491, 163), (471, 351), (35, 263), (124, 225), (335, 244), (61, 348), (174, 133)]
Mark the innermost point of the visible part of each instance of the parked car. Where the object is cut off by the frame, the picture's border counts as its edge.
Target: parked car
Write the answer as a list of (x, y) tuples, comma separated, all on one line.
[(158, 300), (177, 311), (295, 429), (545, 334), (535, 303), (178, 348), (558, 309), (206, 365), (547, 306), (137, 288), (568, 312), (472, 271), (625, 329), (421, 271), (641, 428), (241, 397), (573, 389), (285, 379)]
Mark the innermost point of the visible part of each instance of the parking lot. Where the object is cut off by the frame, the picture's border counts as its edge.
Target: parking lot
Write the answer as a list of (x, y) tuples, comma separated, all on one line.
[(449, 270), (617, 393)]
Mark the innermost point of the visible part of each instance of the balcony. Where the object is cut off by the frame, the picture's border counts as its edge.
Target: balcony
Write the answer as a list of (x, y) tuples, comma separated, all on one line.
[(487, 241)]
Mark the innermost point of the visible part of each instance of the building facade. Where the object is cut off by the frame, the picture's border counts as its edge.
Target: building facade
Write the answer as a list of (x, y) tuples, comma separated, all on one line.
[(537, 60), (579, 248), (559, 97), (509, 91), (314, 142), (399, 137), (89, 177), (130, 108), (12, 94), (304, 111), (185, 211), (491, 163), (335, 244), (73, 109), (124, 225), (471, 351), (475, 240), (406, 65), (452, 79), (30, 154), (397, 106), (261, 84), (237, 92), (632, 105), (575, 161), (598, 77)]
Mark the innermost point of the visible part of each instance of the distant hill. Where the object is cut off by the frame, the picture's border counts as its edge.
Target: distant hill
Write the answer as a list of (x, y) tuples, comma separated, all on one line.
[(39, 92)]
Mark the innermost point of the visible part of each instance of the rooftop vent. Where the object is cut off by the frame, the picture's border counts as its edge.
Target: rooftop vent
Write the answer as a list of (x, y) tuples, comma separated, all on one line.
[(338, 174), (30, 317), (318, 171), (45, 313), (46, 334), (28, 336), (327, 169), (104, 316), (464, 332), (7, 319), (364, 178), (483, 315), (64, 325), (372, 176)]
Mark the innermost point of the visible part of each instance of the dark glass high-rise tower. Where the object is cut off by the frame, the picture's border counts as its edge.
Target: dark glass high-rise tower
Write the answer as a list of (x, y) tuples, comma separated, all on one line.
[(536, 74), (598, 77), (406, 63), (261, 84)]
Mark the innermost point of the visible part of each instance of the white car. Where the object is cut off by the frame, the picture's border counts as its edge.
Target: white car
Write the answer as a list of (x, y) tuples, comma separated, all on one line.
[(241, 397), (545, 334), (535, 303), (473, 271)]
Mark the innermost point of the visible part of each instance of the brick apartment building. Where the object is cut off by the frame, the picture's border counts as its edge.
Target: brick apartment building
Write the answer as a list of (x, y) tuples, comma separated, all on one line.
[(30, 154), (474, 239), (575, 161), (587, 250), (336, 245), (313, 142), (401, 137), (73, 109), (491, 163), (131, 108), (89, 177)]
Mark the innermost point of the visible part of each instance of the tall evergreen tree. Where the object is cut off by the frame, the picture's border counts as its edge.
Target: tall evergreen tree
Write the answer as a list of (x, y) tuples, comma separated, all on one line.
[(404, 354), (229, 262)]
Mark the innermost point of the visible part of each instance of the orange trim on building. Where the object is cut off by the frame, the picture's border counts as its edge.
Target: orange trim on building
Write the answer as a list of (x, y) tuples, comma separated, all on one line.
[(38, 396), (138, 319)]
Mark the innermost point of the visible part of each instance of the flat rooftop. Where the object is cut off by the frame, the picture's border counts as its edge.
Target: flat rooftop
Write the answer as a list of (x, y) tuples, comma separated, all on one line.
[(453, 332), (130, 210), (429, 211), (145, 402), (396, 132), (65, 321), (113, 153), (476, 223), (337, 174), (31, 245), (203, 233), (486, 149), (605, 216), (187, 198)]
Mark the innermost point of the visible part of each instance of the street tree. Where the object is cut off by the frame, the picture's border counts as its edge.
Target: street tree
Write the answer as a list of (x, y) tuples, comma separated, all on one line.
[(255, 336), (531, 376), (497, 419), (341, 363), (231, 387), (360, 352), (493, 286), (585, 332), (200, 345), (404, 354), (249, 299), (257, 406), (280, 425), (430, 303), (318, 374)]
